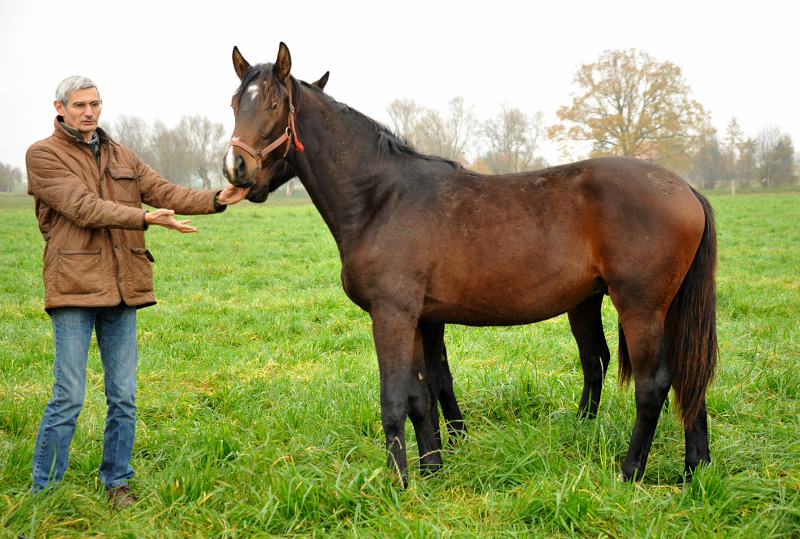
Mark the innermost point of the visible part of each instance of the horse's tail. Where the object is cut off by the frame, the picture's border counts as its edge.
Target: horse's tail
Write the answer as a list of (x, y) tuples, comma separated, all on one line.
[(691, 327)]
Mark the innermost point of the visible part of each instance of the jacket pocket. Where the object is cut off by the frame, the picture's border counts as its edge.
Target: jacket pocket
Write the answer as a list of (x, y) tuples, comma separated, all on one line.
[(142, 270), (79, 271), (124, 185)]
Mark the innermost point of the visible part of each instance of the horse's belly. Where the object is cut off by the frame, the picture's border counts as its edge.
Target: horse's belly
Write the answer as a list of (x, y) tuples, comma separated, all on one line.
[(494, 304)]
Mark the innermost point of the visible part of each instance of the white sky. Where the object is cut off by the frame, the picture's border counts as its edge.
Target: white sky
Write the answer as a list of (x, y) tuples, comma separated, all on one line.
[(163, 60)]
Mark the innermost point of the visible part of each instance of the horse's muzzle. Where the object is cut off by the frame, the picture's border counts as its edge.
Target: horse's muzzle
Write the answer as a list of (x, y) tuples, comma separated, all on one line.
[(236, 169)]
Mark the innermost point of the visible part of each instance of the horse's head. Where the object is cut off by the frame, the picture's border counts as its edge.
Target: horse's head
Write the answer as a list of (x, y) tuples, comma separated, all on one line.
[(269, 178), (263, 108)]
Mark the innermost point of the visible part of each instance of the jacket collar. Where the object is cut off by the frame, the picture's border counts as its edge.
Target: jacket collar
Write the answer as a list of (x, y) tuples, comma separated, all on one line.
[(71, 132)]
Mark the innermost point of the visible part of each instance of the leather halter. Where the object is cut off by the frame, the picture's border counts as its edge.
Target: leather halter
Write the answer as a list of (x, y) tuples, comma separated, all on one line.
[(290, 135)]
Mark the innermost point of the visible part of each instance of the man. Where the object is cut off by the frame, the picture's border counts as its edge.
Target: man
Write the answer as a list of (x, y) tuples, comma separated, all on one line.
[(89, 192)]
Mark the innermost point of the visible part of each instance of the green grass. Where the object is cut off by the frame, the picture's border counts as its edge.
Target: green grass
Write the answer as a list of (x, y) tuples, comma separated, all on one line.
[(258, 408)]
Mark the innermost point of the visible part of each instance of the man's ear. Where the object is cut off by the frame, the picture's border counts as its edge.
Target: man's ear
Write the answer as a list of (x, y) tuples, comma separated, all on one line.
[(59, 107)]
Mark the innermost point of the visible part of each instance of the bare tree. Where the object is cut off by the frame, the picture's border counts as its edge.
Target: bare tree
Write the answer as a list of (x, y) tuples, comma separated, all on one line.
[(134, 133), (404, 115), (9, 177), (461, 130), (775, 157), (766, 153), (172, 152), (206, 142), (513, 137), (430, 132)]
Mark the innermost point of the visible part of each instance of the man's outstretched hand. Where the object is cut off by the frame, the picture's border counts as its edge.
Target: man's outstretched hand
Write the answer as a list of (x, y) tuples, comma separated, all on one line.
[(164, 217)]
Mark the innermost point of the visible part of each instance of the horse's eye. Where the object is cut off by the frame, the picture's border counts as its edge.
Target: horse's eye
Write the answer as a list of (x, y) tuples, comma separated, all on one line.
[(274, 105)]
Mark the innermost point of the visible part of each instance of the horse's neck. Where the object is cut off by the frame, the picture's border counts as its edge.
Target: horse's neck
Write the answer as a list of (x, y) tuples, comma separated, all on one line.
[(333, 168)]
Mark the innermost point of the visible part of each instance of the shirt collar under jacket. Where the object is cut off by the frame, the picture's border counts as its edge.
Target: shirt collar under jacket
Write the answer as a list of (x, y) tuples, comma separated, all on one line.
[(94, 144)]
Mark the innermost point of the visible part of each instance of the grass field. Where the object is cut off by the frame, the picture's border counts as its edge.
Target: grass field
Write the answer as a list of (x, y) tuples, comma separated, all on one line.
[(258, 408)]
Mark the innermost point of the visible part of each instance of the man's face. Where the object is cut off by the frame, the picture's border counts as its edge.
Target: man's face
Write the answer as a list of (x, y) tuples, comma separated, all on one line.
[(82, 110)]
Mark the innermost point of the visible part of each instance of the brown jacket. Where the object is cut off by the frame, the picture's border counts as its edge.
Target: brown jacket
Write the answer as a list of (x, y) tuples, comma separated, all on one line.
[(92, 219)]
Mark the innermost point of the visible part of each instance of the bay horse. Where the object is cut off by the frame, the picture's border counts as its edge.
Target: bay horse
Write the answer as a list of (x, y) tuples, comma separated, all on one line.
[(425, 242)]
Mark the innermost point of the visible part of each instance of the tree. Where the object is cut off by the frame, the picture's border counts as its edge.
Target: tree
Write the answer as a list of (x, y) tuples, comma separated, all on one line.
[(173, 157), (9, 177), (634, 106), (513, 137), (746, 167), (206, 142), (431, 133), (449, 136), (774, 157), (404, 115), (709, 165), (134, 133), (731, 151)]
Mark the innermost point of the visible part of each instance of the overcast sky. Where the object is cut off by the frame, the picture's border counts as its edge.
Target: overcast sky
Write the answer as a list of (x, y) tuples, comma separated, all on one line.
[(164, 60)]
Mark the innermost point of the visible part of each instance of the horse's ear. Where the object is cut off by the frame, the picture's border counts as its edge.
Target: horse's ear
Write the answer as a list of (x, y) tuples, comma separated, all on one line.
[(239, 63), (323, 80), (284, 62)]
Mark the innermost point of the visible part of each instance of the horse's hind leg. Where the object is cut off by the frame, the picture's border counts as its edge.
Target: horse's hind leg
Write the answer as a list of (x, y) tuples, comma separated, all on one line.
[(440, 383), (433, 345), (447, 399), (423, 396), (652, 379), (586, 323), (697, 451)]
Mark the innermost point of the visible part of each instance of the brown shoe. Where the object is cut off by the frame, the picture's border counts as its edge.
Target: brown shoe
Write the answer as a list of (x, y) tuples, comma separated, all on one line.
[(121, 496)]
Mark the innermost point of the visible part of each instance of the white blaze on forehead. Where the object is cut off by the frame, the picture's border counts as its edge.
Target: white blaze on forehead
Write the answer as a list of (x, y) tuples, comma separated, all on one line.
[(253, 90)]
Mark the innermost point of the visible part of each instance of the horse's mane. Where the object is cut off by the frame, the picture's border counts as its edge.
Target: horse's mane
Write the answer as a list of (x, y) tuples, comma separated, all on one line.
[(390, 142)]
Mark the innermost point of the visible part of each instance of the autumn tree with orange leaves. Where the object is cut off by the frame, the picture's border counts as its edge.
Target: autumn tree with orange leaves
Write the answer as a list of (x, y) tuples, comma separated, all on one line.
[(629, 104)]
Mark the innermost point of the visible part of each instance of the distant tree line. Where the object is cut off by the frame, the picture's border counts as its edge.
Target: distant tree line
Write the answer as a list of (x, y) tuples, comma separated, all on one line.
[(503, 144), (626, 103), (188, 154), (10, 177)]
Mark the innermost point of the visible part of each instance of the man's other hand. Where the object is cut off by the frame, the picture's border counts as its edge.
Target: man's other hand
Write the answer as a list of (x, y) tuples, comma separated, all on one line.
[(164, 217)]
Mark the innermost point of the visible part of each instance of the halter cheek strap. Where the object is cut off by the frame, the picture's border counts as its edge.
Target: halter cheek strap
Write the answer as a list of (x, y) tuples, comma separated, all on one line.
[(290, 135)]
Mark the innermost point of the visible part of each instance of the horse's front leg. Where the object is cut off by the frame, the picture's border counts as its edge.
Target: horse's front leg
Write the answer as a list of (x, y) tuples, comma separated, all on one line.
[(404, 389)]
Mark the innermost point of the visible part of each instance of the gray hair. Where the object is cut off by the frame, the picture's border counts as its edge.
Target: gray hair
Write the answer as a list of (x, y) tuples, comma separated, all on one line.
[(70, 84)]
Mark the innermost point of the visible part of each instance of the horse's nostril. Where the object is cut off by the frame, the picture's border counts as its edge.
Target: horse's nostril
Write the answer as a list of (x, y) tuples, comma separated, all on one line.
[(240, 165)]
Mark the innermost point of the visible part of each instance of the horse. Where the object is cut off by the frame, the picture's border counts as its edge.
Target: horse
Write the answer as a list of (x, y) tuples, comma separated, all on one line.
[(440, 379), (586, 326), (424, 242)]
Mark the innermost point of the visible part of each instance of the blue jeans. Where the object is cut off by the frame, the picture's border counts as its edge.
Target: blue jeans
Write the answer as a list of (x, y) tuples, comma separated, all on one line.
[(115, 328)]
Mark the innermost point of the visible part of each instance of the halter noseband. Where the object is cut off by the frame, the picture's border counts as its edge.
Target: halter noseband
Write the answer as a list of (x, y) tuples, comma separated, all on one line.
[(290, 135)]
